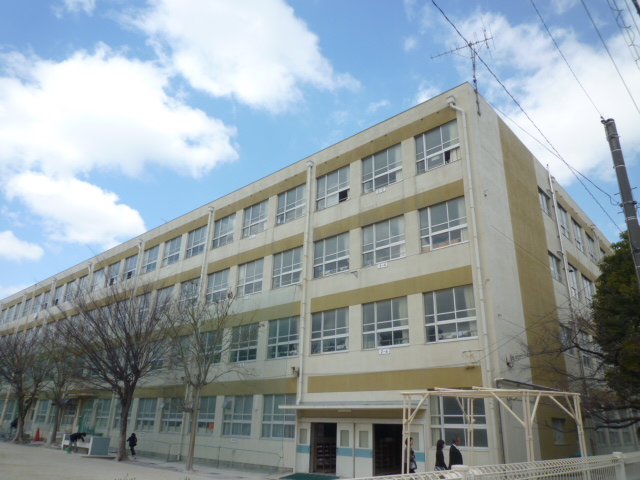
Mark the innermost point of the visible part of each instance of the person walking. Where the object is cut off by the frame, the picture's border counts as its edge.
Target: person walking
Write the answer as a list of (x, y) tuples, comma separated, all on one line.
[(133, 441), (455, 457), (440, 463), (73, 440), (412, 458)]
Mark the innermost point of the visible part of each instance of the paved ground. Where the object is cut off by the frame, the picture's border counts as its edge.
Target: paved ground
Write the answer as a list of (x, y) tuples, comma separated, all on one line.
[(35, 462)]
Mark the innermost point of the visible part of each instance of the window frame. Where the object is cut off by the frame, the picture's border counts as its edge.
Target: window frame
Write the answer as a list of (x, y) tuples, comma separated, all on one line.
[(376, 248), (555, 266), (244, 343), (255, 216), (327, 339), (196, 242), (223, 230), (577, 233), (171, 251), (545, 201), (375, 178), (452, 227), (563, 217), (150, 259), (443, 413), (256, 279), (217, 286), (442, 152), (322, 260), (283, 339), (189, 292), (373, 323), (436, 328), (172, 416), (146, 414), (130, 267), (206, 418), (291, 209), (238, 422), (278, 423), (329, 196), (290, 273)]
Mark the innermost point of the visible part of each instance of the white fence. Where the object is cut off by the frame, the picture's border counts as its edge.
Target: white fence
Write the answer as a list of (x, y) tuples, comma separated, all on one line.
[(617, 466)]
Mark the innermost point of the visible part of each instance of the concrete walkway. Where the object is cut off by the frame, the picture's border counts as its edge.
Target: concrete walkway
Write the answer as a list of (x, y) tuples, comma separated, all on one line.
[(34, 462)]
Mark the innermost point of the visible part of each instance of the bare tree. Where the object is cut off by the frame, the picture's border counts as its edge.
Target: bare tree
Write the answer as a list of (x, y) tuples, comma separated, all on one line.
[(118, 334), (201, 347), (24, 367)]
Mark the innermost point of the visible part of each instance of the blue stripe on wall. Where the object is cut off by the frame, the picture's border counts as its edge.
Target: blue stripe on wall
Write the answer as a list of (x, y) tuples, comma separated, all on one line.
[(304, 449), (364, 453), (420, 456), (344, 452)]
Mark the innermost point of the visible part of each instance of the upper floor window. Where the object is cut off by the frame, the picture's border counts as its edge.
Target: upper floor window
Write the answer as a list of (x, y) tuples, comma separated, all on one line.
[(602, 254), (287, 267), (255, 219), (331, 255), (237, 418), (218, 286), (563, 216), (450, 314), (385, 323), (223, 231), (556, 269), (113, 271), (443, 224), (383, 241), (71, 292), (330, 331), (27, 305), (37, 304), (165, 296), (195, 241), (171, 251), (244, 343), (150, 259), (577, 233), (291, 204), (57, 296), (573, 282), (588, 289), (381, 169), (212, 343), (434, 148), (283, 338), (545, 202), (591, 245), (332, 188), (189, 292), (98, 280), (250, 277), (278, 422), (130, 265)]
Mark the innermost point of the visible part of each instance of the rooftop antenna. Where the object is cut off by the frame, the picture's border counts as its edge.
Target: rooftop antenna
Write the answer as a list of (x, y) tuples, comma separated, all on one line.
[(473, 52)]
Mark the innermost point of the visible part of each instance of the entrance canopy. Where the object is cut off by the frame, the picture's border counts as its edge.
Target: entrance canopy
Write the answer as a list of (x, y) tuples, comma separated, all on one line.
[(569, 402)]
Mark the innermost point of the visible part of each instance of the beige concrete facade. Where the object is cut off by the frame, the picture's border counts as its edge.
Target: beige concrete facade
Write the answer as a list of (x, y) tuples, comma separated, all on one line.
[(458, 272)]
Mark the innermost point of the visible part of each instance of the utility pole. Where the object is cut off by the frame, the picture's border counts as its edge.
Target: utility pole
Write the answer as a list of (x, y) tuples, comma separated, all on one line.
[(628, 204)]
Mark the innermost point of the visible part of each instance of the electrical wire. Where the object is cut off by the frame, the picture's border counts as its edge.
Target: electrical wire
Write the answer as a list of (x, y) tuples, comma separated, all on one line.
[(610, 56)]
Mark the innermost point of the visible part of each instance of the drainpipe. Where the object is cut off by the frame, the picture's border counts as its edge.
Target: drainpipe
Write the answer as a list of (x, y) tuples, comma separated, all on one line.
[(205, 257), (486, 380), (304, 307)]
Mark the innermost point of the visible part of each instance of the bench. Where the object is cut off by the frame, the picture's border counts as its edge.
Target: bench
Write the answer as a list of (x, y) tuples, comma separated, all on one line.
[(93, 446)]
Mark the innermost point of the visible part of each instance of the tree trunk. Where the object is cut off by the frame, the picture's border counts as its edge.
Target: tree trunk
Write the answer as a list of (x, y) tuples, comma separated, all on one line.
[(56, 424), (19, 438), (122, 443), (194, 422)]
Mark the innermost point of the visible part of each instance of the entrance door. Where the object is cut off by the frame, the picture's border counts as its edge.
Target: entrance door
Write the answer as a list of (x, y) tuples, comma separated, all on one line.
[(323, 445), (387, 449)]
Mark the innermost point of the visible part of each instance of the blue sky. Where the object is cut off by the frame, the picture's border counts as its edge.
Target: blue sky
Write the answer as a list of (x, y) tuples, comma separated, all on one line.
[(119, 115)]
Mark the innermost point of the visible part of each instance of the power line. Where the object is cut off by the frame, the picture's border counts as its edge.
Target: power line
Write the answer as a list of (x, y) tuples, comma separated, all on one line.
[(610, 56)]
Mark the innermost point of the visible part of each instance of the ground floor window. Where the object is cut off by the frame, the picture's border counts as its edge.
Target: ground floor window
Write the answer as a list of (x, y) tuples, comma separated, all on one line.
[(41, 411), (103, 407), (277, 422), (172, 415), (237, 417), (451, 417), (206, 416), (146, 419)]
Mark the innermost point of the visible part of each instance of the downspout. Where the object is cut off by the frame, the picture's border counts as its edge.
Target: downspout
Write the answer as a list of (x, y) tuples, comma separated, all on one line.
[(486, 374), (205, 257), (305, 280)]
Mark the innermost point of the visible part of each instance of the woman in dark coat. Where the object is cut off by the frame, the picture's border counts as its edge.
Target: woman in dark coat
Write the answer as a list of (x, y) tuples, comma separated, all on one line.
[(440, 463), (133, 441)]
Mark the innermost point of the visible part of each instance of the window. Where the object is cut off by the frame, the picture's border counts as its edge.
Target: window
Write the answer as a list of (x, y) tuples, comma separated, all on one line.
[(287, 267), (331, 255), (563, 216), (143, 302), (381, 169), (332, 188), (206, 415), (172, 415), (577, 233), (591, 245), (434, 148), (383, 241), (244, 343), (171, 251), (587, 289), (277, 422), (36, 305), (57, 298), (195, 242), (98, 281), (69, 414), (330, 331), (27, 304), (255, 219), (223, 231), (283, 338), (450, 314), (545, 202), (103, 407), (130, 266), (558, 431), (146, 417), (602, 254), (237, 422), (82, 285), (217, 286), (291, 204), (165, 297), (250, 277), (42, 410), (118, 413), (554, 263), (567, 340), (443, 224), (385, 323), (150, 259), (573, 282), (189, 292), (212, 345), (448, 420), (72, 291), (614, 436)]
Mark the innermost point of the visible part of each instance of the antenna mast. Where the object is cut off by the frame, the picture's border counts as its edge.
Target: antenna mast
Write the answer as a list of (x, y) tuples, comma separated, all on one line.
[(473, 53)]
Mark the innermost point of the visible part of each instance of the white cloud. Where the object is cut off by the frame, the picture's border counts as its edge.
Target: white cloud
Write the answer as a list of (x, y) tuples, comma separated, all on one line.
[(425, 92), (12, 248), (256, 51), (101, 110), (410, 43), (74, 6), (11, 289), (75, 211), (374, 107), (544, 86)]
